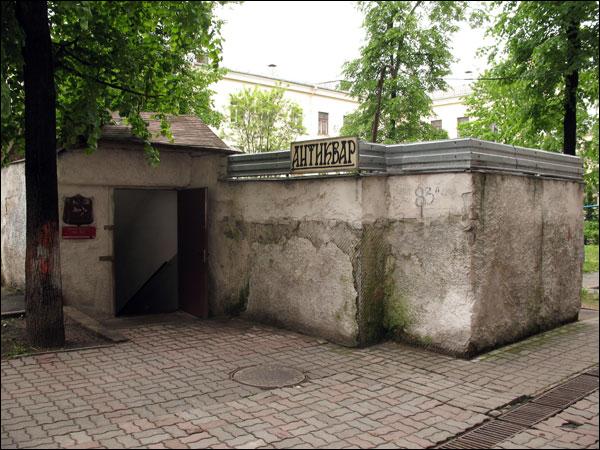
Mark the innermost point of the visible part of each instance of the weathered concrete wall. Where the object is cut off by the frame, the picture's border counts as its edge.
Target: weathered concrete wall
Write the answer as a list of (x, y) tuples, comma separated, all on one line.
[(285, 254), (459, 261), (13, 225), (527, 258), (87, 281), (350, 259), (429, 298)]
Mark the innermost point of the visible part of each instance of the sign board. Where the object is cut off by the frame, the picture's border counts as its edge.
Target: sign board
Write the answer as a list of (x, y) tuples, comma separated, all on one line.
[(324, 155), (78, 232)]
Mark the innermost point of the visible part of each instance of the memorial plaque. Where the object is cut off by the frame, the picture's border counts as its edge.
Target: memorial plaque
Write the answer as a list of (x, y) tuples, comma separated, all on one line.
[(78, 210)]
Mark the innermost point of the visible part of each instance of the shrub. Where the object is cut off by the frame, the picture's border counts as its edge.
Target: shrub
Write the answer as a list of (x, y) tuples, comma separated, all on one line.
[(590, 232)]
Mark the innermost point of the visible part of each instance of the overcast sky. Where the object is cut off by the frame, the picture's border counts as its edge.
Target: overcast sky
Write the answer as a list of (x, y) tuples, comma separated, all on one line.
[(310, 41)]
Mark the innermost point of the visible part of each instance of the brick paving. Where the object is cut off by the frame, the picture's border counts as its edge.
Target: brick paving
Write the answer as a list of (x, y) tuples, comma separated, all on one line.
[(169, 387), (575, 427)]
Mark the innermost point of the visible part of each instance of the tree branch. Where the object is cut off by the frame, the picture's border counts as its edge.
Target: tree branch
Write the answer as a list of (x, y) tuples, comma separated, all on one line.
[(108, 83)]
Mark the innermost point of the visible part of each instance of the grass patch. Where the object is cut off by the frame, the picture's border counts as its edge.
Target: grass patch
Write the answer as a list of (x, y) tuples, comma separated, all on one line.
[(14, 342), (589, 299), (590, 263)]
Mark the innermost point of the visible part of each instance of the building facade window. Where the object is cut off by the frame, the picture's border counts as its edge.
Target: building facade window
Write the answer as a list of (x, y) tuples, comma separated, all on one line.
[(460, 120), (437, 124), (323, 123)]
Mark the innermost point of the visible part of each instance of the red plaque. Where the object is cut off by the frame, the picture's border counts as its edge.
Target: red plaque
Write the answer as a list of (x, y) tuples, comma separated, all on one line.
[(78, 232)]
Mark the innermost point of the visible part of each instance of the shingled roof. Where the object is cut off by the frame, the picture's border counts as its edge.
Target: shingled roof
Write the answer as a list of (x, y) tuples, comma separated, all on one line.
[(188, 132)]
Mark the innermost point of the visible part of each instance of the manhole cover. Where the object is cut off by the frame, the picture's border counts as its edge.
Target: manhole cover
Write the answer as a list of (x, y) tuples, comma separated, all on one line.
[(268, 376)]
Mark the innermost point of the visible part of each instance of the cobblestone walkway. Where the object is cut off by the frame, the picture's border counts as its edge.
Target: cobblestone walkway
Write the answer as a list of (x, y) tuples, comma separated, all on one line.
[(169, 387)]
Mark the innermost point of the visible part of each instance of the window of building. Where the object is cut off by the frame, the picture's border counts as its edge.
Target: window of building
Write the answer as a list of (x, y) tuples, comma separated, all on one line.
[(458, 122), (323, 123), (436, 124)]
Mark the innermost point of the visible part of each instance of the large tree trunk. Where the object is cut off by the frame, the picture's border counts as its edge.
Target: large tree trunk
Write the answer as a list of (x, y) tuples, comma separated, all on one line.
[(43, 296), (377, 115), (571, 84)]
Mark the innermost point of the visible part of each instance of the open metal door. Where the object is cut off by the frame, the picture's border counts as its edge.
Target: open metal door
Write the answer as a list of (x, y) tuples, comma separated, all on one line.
[(192, 232)]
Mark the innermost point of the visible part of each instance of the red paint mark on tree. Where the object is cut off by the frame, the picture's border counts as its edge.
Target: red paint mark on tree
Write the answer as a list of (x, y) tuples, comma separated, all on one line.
[(46, 235), (44, 266)]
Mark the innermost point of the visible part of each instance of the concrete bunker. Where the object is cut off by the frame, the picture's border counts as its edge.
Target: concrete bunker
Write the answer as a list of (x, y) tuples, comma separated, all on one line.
[(149, 223), (460, 245)]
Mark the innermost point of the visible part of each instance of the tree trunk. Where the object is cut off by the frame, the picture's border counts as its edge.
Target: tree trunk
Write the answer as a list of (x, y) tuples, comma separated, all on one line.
[(43, 296), (394, 75), (377, 115), (571, 84), (395, 65)]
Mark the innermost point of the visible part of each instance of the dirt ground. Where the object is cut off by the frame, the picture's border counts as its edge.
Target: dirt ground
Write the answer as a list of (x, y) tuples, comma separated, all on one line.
[(14, 337)]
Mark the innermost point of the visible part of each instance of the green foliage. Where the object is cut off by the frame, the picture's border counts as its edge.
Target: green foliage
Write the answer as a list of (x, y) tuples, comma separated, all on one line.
[(591, 254), (125, 57), (589, 299), (590, 232), (14, 340), (406, 56), (263, 120), (520, 99), (591, 258)]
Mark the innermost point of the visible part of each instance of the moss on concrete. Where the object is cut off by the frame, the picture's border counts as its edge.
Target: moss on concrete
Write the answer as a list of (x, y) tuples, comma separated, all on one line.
[(397, 316), (231, 230), (239, 305), (534, 342), (371, 258)]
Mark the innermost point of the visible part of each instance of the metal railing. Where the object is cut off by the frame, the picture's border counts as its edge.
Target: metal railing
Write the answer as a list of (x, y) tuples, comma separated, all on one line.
[(457, 155)]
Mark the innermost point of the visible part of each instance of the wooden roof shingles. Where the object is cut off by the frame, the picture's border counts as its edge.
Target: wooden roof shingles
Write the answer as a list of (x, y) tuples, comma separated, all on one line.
[(189, 132)]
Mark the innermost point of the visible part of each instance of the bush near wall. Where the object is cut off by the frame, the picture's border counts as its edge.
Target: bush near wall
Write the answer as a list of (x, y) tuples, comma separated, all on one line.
[(590, 232)]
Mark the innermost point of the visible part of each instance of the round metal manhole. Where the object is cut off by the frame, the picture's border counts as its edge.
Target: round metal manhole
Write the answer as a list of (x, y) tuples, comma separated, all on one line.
[(268, 376)]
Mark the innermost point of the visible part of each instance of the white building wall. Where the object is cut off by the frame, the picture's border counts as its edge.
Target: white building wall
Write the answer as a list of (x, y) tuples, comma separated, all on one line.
[(312, 99), (447, 106)]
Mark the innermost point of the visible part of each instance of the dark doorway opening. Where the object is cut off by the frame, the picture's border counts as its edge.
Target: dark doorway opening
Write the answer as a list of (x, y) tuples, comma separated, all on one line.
[(160, 252)]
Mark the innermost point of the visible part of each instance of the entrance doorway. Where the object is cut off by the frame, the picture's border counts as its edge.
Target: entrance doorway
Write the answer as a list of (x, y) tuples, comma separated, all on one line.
[(160, 251)]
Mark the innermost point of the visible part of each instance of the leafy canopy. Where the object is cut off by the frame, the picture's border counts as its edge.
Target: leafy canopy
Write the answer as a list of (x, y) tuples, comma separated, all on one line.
[(121, 56), (263, 120), (519, 100), (406, 56)]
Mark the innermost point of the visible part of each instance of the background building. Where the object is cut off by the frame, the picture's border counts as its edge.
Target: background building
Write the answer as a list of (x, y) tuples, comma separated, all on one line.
[(449, 109), (324, 107)]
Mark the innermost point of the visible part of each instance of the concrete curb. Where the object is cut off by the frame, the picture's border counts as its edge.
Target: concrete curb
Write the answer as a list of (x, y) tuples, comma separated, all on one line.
[(11, 314), (63, 350), (93, 325)]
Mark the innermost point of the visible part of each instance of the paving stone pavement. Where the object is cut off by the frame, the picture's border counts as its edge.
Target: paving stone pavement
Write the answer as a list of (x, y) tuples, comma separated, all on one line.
[(170, 387), (575, 427)]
